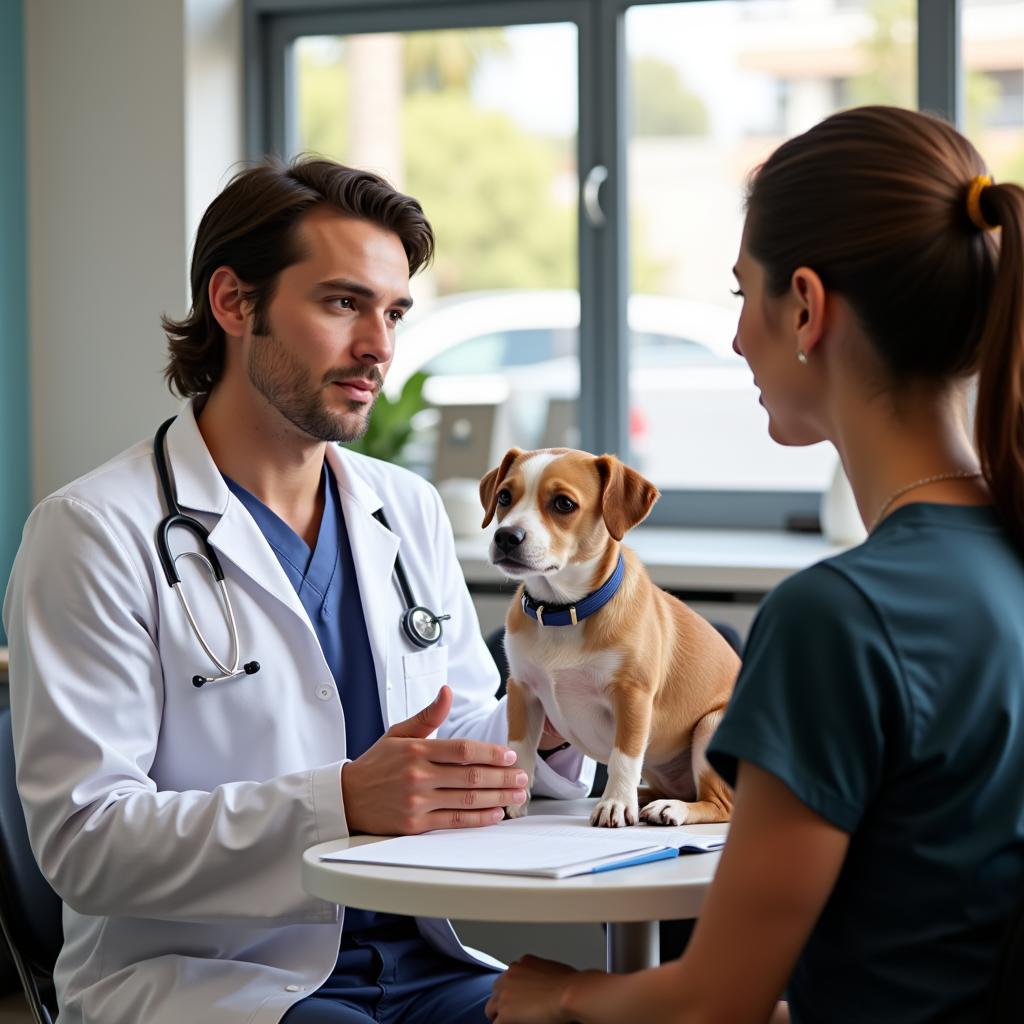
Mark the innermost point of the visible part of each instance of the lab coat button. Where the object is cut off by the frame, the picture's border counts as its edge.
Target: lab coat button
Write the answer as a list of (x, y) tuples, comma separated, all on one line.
[(325, 692), (293, 988)]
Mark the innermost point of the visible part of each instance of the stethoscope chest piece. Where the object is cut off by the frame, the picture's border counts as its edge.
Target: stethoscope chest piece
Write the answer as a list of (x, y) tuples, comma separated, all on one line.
[(422, 626)]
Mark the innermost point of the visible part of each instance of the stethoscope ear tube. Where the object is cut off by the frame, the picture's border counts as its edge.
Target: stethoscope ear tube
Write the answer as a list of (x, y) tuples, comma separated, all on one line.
[(227, 671), (163, 547), (250, 668), (420, 625), (175, 517)]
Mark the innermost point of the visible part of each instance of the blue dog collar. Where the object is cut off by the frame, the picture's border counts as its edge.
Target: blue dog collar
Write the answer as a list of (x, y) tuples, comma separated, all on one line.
[(570, 614)]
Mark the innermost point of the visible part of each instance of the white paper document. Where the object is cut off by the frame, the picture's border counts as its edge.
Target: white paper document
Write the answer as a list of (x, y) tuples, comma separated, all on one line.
[(553, 846)]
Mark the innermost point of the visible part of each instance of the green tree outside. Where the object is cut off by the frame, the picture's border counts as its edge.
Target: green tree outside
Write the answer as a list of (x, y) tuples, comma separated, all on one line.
[(487, 185), (324, 90), (660, 103), (891, 56), (891, 53), (488, 188), (448, 59)]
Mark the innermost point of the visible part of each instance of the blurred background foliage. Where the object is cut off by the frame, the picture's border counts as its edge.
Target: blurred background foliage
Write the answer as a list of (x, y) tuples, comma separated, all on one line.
[(502, 189), (391, 422)]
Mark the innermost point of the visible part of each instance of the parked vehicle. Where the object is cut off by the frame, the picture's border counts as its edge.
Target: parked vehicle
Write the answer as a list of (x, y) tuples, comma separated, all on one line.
[(695, 420)]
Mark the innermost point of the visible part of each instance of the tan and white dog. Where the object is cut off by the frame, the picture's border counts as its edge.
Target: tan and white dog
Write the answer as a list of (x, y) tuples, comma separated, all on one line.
[(624, 671)]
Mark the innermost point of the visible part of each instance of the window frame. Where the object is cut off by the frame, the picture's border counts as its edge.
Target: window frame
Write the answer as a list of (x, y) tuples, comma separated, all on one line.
[(270, 28)]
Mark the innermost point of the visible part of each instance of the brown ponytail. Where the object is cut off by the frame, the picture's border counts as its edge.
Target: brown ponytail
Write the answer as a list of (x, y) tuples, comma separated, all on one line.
[(999, 420)]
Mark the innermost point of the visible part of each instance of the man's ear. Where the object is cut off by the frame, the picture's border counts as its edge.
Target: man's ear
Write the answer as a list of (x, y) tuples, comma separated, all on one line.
[(626, 496), (810, 297), (489, 484), (226, 294)]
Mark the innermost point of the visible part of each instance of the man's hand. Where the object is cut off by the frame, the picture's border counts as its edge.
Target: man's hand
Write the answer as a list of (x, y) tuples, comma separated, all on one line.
[(406, 784)]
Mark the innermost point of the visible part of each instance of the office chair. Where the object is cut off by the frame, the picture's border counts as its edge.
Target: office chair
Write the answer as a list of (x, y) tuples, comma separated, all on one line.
[(1006, 999), (30, 911)]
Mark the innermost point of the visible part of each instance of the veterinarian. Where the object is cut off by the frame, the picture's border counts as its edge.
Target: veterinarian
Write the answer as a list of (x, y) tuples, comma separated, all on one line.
[(875, 736), (180, 744)]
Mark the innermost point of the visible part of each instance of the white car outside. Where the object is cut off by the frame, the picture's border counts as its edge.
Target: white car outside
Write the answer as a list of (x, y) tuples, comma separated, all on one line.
[(695, 420)]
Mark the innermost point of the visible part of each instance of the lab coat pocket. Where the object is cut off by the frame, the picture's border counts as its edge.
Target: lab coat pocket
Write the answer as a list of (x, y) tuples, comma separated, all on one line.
[(425, 673)]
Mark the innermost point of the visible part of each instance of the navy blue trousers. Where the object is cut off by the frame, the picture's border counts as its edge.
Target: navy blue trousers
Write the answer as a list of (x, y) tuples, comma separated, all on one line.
[(393, 976)]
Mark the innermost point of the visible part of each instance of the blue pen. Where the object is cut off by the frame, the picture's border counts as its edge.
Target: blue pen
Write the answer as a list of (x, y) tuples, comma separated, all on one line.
[(645, 858)]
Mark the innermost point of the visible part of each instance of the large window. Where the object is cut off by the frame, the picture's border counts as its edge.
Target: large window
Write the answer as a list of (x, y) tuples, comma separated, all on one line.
[(993, 58), (714, 86), (584, 164)]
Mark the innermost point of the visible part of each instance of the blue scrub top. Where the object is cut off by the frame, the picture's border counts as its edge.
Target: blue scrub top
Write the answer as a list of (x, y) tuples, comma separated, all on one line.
[(326, 583)]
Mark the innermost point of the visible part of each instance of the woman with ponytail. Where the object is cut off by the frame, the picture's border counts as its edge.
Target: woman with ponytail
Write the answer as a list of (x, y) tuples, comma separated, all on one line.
[(876, 734)]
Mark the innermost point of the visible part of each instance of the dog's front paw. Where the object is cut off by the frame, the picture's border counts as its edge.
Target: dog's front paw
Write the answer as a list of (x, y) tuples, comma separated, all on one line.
[(517, 810), (664, 812), (614, 814)]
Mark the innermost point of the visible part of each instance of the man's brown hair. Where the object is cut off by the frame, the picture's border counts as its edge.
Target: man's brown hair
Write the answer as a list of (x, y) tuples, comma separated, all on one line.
[(253, 228)]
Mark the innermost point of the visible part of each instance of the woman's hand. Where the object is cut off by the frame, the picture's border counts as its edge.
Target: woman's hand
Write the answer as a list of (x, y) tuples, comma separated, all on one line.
[(530, 992)]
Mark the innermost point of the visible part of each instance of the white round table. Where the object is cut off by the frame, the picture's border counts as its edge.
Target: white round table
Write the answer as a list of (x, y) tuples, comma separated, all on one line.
[(630, 900)]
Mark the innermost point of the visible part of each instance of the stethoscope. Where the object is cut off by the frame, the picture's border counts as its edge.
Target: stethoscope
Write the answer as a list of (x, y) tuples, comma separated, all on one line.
[(420, 625)]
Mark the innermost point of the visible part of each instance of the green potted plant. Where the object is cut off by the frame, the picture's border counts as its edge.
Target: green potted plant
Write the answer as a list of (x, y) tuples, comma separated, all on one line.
[(391, 422)]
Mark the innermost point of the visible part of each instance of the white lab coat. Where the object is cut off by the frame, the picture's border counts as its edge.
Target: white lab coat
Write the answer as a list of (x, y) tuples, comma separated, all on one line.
[(170, 819)]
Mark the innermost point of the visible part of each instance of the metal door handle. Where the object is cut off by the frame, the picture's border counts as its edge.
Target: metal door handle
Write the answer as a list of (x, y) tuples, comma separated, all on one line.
[(596, 177)]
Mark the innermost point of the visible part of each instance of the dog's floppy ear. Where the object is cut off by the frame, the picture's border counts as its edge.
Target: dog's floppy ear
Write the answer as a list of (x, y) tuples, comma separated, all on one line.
[(489, 485), (626, 496)]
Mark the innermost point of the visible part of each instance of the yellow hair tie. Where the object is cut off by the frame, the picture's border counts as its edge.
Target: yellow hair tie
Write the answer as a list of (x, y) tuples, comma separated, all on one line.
[(977, 186)]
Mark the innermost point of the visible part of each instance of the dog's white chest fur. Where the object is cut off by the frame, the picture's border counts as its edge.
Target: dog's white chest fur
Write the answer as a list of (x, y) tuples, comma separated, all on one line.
[(572, 684)]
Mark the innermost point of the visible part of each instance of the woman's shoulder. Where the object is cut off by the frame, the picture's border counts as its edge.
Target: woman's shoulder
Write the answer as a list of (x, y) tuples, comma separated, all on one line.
[(928, 587), (928, 551), (820, 620), (825, 590)]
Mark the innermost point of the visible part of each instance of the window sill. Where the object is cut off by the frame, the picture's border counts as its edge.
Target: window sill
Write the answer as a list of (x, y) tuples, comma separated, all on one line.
[(748, 562)]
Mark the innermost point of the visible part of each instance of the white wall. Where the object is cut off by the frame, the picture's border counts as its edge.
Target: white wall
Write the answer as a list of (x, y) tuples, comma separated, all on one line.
[(214, 114), (134, 115)]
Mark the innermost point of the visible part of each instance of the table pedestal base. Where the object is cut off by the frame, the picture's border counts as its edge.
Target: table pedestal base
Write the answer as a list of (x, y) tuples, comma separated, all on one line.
[(632, 946)]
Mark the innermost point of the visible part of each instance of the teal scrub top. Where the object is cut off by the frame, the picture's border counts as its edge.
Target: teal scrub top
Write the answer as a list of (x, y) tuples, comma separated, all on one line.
[(885, 688)]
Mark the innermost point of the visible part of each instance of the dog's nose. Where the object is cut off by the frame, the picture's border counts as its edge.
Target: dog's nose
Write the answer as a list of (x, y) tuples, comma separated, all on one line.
[(509, 537)]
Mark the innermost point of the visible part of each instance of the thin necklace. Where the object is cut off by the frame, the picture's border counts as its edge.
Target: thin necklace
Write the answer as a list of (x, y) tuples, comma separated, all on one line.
[(959, 474)]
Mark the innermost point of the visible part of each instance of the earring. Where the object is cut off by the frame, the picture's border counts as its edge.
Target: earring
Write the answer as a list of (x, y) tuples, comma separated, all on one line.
[(801, 357)]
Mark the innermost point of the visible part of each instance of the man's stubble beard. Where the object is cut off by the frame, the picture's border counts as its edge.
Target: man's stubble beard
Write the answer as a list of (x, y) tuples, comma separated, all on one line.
[(286, 385)]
